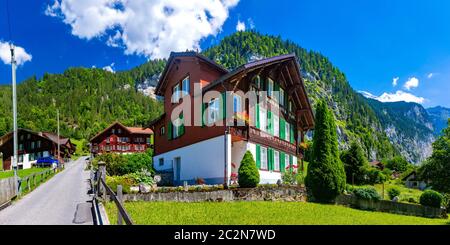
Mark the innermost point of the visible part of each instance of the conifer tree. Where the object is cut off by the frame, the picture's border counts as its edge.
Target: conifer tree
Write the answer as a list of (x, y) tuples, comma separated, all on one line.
[(326, 176)]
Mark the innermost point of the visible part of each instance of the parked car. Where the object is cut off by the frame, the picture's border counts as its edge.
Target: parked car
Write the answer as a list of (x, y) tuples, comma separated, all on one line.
[(47, 162)]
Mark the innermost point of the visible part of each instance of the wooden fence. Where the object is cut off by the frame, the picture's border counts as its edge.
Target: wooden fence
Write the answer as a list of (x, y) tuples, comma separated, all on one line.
[(33, 180), (103, 192)]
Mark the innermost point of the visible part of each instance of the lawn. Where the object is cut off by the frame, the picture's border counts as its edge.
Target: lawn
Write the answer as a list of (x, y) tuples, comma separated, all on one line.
[(405, 193), (259, 213), (21, 172)]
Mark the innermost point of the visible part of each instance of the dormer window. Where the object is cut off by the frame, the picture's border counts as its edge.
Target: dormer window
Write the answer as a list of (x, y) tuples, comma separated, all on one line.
[(176, 93), (270, 85)]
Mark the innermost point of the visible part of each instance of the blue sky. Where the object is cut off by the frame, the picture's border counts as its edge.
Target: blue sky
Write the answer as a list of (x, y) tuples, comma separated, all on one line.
[(372, 42)]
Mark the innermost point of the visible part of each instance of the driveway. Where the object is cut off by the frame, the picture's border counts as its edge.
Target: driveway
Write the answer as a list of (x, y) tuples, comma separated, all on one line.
[(62, 200)]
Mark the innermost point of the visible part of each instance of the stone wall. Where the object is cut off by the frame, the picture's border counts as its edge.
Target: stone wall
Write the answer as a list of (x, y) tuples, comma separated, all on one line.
[(253, 194), (8, 190), (391, 207)]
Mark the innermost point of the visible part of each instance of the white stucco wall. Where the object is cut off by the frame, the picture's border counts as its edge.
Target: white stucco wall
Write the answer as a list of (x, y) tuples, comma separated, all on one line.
[(205, 160)]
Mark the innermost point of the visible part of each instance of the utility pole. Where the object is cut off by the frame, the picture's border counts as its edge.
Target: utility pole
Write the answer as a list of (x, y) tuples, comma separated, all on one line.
[(57, 113), (14, 98)]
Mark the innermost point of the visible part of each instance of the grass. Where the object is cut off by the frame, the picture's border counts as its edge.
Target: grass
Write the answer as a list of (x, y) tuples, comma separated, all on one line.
[(405, 193), (79, 151), (259, 213), (21, 172)]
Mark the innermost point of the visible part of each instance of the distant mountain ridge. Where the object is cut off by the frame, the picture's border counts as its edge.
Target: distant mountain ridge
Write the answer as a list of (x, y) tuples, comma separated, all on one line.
[(439, 116)]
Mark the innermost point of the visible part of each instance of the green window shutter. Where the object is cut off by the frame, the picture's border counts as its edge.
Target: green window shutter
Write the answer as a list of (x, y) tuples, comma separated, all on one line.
[(258, 156), (282, 128), (223, 115), (169, 130), (257, 116), (269, 122), (282, 162), (271, 159)]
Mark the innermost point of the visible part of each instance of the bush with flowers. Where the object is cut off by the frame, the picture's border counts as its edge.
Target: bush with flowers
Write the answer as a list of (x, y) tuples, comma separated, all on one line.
[(292, 176)]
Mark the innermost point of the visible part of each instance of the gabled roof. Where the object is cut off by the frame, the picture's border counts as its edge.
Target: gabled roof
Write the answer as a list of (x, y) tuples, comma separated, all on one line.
[(131, 130), (174, 55), (412, 173), (54, 137), (9, 135)]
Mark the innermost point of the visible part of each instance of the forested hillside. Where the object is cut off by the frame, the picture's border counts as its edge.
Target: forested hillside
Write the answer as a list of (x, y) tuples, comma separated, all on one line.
[(88, 100), (356, 119)]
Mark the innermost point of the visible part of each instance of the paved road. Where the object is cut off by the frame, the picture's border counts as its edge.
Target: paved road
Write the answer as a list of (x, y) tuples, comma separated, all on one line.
[(62, 200)]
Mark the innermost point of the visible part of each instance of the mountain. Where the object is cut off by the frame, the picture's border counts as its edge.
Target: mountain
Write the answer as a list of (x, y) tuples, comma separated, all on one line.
[(90, 98), (408, 126), (439, 116)]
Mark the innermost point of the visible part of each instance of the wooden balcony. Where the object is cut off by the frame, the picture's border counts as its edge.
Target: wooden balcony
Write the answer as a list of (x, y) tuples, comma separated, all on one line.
[(248, 133)]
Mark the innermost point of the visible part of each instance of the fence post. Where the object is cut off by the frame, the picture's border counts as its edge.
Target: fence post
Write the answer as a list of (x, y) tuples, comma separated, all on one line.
[(28, 183), (34, 179), (102, 172), (119, 197)]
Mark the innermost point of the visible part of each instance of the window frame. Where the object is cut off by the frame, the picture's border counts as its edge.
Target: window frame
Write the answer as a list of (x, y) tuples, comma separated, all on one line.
[(212, 105), (264, 164), (270, 87), (276, 161)]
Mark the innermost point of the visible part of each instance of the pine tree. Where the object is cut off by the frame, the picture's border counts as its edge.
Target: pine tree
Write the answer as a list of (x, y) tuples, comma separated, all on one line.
[(326, 176), (355, 163), (248, 173)]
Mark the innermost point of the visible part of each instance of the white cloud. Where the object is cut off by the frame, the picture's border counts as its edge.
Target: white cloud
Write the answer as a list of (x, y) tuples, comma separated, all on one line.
[(395, 97), (395, 81), (109, 68), (21, 55), (412, 82), (430, 75), (151, 28), (240, 26)]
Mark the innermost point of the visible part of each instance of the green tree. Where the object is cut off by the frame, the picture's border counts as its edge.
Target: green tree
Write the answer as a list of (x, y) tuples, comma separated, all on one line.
[(248, 173), (437, 167), (355, 163), (398, 164), (326, 174)]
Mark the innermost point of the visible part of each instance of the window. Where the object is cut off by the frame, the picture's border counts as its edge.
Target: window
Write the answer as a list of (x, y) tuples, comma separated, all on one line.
[(32, 157), (290, 106), (270, 87), (176, 94), (286, 160), (213, 109), (257, 82), (21, 137), (161, 162), (119, 131), (237, 104), (149, 140), (162, 130), (282, 97), (263, 119), (287, 131), (28, 136), (20, 147), (185, 86), (276, 126), (107, 140), (38, 144), (113, 131), (276, 159), (20, 159), (32, 145), (176, 129), (264, 158)]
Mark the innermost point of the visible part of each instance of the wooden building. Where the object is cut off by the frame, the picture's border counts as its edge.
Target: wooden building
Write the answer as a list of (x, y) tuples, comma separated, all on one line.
[(32, 146), (208, 147), (118, 138)]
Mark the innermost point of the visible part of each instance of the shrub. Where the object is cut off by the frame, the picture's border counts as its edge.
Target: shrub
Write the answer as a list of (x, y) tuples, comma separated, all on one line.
[(143, 176), (117, 164), (300, 179), (431, 198), (326, 175), (398, 164), (125, 181), (248, 172), (393, 192), (375, 176), (367, 193)]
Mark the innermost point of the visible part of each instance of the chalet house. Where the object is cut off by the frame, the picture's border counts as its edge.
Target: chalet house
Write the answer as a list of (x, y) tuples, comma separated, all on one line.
[(377, 164), (413, 181), (67, 148), (31, 146), (271, 127), (120, 139)]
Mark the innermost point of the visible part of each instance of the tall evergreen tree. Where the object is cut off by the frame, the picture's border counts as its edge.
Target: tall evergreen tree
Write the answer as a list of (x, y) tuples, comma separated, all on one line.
[(326, 175), (355, 163)]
